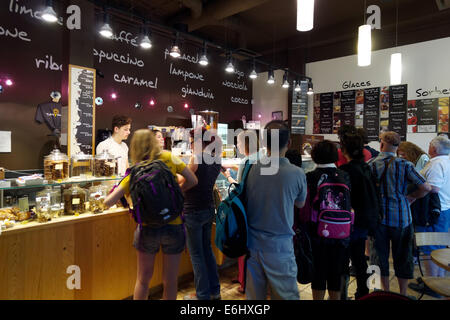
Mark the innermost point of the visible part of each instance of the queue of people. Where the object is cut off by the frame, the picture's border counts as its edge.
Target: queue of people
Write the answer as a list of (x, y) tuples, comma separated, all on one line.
[(354, 194)]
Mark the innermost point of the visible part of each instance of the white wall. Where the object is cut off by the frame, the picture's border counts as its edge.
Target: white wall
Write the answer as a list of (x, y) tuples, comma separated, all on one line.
[(426, 65), (269, 98)]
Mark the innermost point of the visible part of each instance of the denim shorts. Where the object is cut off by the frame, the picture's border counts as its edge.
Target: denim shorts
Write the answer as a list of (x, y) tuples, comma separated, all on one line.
[(170, 237), (401, 242)]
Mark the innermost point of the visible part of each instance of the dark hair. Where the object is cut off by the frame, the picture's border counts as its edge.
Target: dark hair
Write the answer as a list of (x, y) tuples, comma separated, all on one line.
[(363, 133), (120, 121), (324, 152), (283, 134), (294, 156), (346, 129), (353, 145), (204, 143)]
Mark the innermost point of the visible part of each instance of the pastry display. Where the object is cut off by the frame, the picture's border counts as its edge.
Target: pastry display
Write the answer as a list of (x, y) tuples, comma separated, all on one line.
[(105, 165), (56, 166), (81, 165), (74, 201)]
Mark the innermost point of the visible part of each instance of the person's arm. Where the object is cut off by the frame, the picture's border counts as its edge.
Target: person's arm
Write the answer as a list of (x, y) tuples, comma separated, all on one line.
[(422, 191), (114, 196), (301, 198), (227, 175), (192, 165), (190, 179)]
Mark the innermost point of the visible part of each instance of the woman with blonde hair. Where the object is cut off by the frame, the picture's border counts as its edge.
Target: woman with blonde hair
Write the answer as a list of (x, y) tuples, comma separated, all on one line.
[(147, 240), (414, 154)]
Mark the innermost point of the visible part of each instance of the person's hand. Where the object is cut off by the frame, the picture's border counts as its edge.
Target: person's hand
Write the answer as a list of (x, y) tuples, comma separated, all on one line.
[(410, 199)]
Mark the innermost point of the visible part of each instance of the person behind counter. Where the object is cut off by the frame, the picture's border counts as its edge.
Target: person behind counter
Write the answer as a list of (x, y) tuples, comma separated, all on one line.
[(114, 145), (147, 241)]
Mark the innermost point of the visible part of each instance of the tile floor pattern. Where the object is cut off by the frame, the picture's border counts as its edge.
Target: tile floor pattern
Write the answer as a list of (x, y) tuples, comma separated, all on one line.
[(229, 290)]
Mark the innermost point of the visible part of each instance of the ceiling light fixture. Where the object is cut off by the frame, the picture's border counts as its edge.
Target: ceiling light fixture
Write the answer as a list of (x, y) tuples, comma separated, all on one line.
[(253, 74), (310, 88), (49, 14), (175, 50), (106, 31), (305, 15), (270, 77), (203, 59), (285, 80), (230, 67), (146, 43), (297, 87), (364, 45), (396, 58)]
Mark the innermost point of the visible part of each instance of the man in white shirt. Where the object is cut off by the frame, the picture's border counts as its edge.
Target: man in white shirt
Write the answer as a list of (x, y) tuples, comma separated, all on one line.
[(114, 145), (437, 174)]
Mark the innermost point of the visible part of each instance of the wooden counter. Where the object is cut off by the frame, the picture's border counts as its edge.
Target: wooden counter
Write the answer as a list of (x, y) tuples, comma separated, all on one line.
[(34, 258)]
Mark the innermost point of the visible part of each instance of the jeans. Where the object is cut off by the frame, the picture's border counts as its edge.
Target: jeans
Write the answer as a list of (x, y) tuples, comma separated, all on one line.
[(198, 238), (358, 257)]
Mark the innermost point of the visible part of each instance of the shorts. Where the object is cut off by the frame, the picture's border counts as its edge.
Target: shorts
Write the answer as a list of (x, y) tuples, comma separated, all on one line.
[(402, 250), (330, 259), (170, 237), (442, 225)]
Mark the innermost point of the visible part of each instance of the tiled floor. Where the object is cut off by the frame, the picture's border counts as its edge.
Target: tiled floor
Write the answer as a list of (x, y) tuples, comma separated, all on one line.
[(229, 290)]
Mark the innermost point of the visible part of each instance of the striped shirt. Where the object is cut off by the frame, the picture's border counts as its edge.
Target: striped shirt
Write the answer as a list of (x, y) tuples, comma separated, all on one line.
[(394, 203)]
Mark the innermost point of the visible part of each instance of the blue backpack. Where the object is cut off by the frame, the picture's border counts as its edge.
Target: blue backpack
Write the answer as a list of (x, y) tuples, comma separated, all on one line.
[(231, 220)]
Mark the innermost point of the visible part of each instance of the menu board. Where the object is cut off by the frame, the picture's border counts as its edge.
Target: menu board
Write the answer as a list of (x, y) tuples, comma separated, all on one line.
[(371, 113), (81, 110), (299, 109), (326, 112), (428, 115), (397, 110)]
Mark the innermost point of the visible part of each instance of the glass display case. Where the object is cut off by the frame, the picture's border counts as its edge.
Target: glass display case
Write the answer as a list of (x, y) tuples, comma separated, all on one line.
[(51, 200)]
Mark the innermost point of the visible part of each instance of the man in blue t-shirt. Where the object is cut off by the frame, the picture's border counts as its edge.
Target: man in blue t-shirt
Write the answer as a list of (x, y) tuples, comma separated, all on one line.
[(273, 187)]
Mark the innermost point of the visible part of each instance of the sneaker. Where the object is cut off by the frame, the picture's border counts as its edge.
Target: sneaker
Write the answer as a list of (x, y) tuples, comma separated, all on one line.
[(190, 296), (216, 296)]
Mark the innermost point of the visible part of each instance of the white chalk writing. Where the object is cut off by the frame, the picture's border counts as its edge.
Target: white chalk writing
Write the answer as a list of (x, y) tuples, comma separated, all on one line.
[(185, 74), (136, 81), (118, 58), (22, 35), (235, 85), (48, 63), (196, 92)]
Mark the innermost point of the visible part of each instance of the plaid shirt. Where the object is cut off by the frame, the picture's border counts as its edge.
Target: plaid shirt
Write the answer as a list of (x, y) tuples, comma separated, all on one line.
[(394, 203)]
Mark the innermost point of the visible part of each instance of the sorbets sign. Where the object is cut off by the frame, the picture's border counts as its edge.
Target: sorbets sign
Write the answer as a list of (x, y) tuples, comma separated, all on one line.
[(428, 92)]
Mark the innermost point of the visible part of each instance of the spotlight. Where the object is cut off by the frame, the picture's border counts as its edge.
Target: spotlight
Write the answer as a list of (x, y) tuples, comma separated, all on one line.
[(310, 88), (98, 101), (146, 43), (138, 105), (106, 31), (169, 109), (271, 77), (1, 88), (186, 106), (285, 80), (203, 59), (230, 67), (253, 74), (152, 102), (175, 50), (49, 14), (259, 116), (113, 96), (9, 82), (297, 87)]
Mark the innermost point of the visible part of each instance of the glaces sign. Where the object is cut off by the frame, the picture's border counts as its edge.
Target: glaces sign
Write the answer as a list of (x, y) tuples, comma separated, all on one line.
[(351, 85), (428, 92)]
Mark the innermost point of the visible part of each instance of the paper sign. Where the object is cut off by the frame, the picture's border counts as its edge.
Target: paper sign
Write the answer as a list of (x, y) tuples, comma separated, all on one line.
[(5, 141)]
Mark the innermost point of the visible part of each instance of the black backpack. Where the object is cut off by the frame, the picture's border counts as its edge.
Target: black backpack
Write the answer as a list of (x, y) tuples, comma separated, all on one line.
[(157, 197), (303, 255)]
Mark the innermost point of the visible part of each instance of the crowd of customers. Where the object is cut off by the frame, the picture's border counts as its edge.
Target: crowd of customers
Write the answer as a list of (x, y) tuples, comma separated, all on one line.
[(353, 195)]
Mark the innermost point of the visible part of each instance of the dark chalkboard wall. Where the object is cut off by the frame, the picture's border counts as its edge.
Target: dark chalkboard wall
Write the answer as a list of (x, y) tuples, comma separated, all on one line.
[(139, 76)]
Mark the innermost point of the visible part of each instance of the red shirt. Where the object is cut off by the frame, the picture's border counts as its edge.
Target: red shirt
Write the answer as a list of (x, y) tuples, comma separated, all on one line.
[(342, 160)]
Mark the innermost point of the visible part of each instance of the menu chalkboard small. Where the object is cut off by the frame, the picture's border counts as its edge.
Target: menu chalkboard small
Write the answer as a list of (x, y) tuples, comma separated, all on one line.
[(326, 112), (81, 110), (397, 110), (372, 113)]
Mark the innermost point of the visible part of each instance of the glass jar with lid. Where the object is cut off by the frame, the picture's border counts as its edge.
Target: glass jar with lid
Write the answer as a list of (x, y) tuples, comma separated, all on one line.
[(97, 195), (56, 166), (56, 208), (74, 200), (43, 205), (105, 165), (81, 165)]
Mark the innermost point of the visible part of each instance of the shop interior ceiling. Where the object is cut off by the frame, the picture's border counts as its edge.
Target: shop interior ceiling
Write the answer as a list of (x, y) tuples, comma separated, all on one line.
[(266, 29)]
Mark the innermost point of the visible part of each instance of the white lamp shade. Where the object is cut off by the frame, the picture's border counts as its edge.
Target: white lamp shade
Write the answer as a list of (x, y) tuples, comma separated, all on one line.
[(203, 60), (229, 68), (297, 88), (146, 43), (305, 15), (253, 75), (175, 52), (364, 45), (49, 15), (106, 31), (396, 68)]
